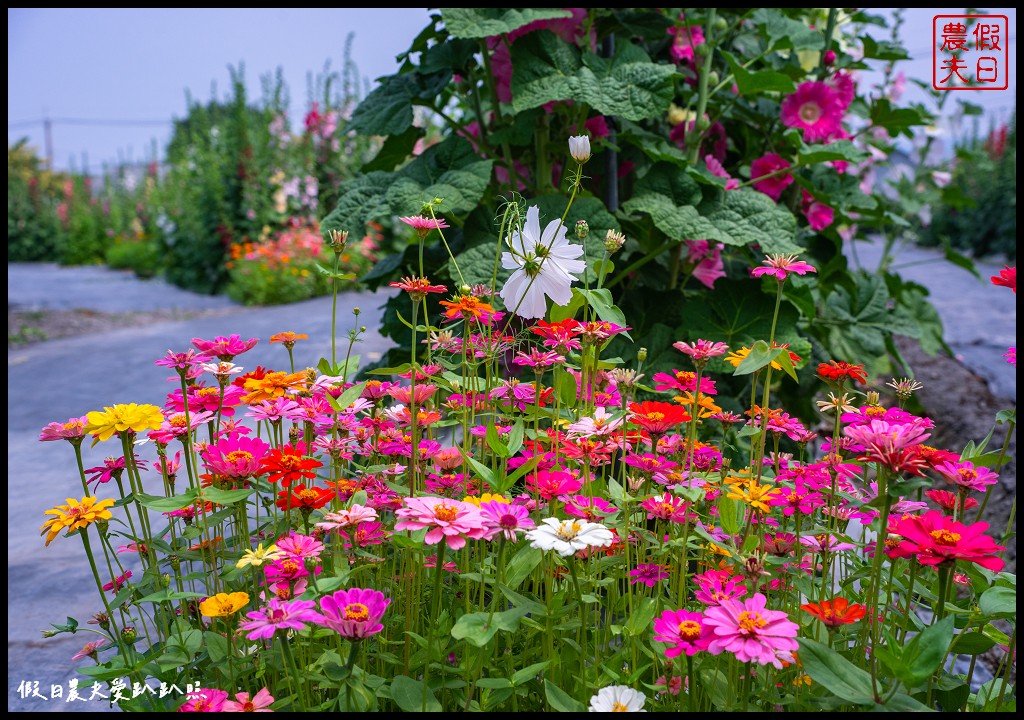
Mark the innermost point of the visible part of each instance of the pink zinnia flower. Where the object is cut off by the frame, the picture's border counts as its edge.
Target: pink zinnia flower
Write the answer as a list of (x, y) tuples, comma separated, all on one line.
[(817, 109), (278, 615), (451, 519), (667, 507), (354, 613), (175, 426), (825, 543), (593, 509), (893, 444), (650, 574), (701, 349), (90, 649), (300, 547), (205, 700), (781, 266), (274, 411), (751, 632), (538, 359), (408, 396), (505, 518), (770, 164), (260, 702), (602, 424), (423, 225), (347, 517), (225, 348), (716, 587), (73, 429), (716, 169), (182, 361), (237, 456), (111, 469), (1011, 356), (967, 476), (819, 215), (549, 484), (684, 631), (935, 539)]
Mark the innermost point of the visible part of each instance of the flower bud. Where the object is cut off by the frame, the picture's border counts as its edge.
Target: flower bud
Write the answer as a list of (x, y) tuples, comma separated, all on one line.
[(339, 238), (165, 580), (873, 397), (641, 355), (614, 241), (830, 57), (128, 634), (714, 77), (579, 148), (582, 229), (721, 25)]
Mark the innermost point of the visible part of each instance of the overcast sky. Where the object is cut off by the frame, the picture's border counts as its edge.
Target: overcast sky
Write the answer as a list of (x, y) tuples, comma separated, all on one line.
[(112, 80)]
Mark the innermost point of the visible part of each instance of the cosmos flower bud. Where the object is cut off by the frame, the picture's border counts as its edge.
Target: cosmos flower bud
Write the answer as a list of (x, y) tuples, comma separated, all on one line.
[(579, 148)]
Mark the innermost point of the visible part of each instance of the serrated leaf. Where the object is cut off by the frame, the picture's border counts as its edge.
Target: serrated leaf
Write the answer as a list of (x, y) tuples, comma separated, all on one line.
[(394, 151), (759, 81), (784, 32), (838, 150), (485, 22), (747, 217)]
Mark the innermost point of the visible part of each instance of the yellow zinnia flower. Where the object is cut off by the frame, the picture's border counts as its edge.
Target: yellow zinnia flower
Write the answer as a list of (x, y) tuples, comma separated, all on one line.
[(120, 418), (75, 516), (753, 494), (486, 497), (223, 604), (705, 403), (259, 556)]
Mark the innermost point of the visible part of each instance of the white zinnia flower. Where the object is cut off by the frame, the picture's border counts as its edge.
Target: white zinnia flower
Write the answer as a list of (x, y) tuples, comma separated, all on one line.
[(579, 148), (566, 537), (544, 265), (618, 698)]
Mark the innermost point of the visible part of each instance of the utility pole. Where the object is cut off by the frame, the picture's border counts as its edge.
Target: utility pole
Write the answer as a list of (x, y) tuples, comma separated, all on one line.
[(48, 134)]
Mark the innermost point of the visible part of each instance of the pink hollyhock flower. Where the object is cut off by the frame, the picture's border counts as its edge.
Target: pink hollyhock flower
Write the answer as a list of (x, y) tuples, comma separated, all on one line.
[(935, 539), (684, 40), (550, 484), (279, 615), (714, 139), (260, 702), (236, 457), (647, 573), (707, 261), (701, 349), (781, 266), (770, 164), (845, 89), (819, 215), (817, 109), (967, 476), (72, 430), (451, 519), (354, 613), (751, 632), (716, 169), (205, 700), (683, 631), (597, 126), (224, 348), (505, 518)]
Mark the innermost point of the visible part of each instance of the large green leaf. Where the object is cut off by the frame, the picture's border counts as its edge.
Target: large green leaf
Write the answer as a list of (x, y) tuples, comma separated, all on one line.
[(783, 32), (627, 85), (760, 81), (409, 695), (478, 628), (360, 200), (835, 673), (859, 322), (747, 217), (838, 150), (387, 110), (485, 22), (449, 170), (923, 655)]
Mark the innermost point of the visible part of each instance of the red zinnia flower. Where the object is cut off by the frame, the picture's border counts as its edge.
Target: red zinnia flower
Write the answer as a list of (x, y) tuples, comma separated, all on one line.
[(418, 287), (657, 418), (835, 612), (935, 539), (288, 464), (1007, 277), (835, 371), (303, 498)]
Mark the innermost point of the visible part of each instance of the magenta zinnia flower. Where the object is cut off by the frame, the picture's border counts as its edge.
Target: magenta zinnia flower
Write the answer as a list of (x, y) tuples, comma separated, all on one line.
[(225, 348), (935, 539), (650, 574), (781, 266), (701, 349), (278, 615), (897, 445), (667, 507), (967, 476), (549, 484), (751, 632), (237, 456), (684, 631), (817, 109), (451, 519), (90, 649), (72, 430), (205, 700), (505, 518), (768, 165), (594, 509), (260, 702), (354, 613)]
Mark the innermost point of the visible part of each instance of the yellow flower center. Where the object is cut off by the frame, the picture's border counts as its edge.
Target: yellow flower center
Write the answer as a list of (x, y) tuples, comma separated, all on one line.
[(207, 392), (178, 420), (308, 496), (72, 425), (619, 707), (238, 456), (875, 411), (751, 621), (357, 612), (445, 513), (967, 474), (568, 529), (689, 630), (224, 605), (946, 537), (248, 707), (290, 567), (655, 416)]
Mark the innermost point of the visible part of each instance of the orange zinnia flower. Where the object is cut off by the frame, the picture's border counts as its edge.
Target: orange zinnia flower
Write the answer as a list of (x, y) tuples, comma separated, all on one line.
[(657, 417), (467, 306), (272, 385), (289, 464), (288, 338), (835, 612), (302, 498)]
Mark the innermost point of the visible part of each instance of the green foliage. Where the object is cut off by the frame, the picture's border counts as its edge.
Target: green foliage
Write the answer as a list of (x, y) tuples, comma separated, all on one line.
[(33, 228)]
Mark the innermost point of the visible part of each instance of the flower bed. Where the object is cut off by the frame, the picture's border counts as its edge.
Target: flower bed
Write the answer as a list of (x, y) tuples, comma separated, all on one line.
[(514, 521)]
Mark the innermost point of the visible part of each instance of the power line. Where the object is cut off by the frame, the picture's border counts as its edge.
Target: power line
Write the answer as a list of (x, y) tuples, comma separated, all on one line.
[(89, 121)]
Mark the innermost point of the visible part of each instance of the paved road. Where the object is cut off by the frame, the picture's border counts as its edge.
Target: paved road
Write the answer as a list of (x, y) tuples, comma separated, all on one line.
[(55, 380)]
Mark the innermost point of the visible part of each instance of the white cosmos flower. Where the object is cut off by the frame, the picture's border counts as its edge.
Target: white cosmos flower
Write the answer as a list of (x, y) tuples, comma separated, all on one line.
[(544, 264), (566, 537), (618, 698)]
